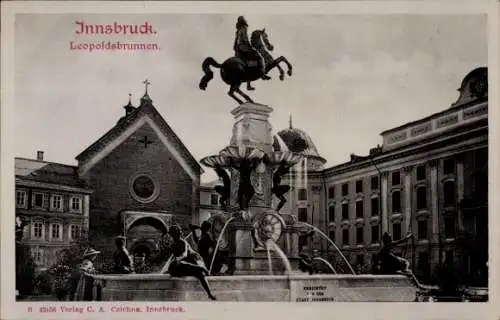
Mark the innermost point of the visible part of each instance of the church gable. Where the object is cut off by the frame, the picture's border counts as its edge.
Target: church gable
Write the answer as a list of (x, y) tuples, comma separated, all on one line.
[(145, 127)]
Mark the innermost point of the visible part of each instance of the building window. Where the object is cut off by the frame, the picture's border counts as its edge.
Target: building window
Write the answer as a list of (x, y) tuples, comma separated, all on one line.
[(421, 172), (345, 236), (449, 193), (481, 158), (449, 166), (75, 204), (422, 229), (421, 198), (375, 234), (303, 240), (302, 214), (331, 213), (396, 178), (360, 260), (144, 187), (331, 235), (302, 194), (359, 235), (448, 258), (481, 186), (359, 186), (37, 230), (345, 189), (423, 262), (57, 202), (37, 254), (20, 198), (39, 200), (396, 202), (74, 232), (55, 231), (449, 228), (359, 209), (396, 231), (374, 183), (214, 199), (345, 211), (375, 207), (331, 192)]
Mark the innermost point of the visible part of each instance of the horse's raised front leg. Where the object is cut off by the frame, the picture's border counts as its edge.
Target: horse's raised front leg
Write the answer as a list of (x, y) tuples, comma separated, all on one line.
[(249, 86), (288, 64), (282, 73), (275, 64)]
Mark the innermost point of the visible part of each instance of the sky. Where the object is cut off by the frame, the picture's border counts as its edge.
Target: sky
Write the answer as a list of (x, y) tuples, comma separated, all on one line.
[(354, 77)]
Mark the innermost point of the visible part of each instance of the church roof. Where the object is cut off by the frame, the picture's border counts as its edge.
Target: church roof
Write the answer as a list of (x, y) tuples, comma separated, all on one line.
[(126, 123)]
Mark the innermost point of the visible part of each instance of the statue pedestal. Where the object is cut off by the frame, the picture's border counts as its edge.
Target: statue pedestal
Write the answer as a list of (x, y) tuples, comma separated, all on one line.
[(251, 127)]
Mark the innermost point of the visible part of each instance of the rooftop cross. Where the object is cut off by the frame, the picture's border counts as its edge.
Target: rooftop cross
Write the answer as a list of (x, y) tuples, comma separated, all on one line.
[(146, 141), (146, 83)]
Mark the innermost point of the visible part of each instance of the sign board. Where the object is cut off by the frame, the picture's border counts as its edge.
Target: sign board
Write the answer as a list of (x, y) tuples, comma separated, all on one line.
[(320, 290)]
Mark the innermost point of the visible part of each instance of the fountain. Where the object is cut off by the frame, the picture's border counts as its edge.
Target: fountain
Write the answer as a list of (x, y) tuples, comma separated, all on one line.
[(250, 228)]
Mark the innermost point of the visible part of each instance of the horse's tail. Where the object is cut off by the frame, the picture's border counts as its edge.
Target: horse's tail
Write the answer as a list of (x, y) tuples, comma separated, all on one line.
[(207, 63)]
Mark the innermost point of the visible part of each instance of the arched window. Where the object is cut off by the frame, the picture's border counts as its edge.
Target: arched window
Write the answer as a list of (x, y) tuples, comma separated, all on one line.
[(421, 198), (449, 193), (396, 202)]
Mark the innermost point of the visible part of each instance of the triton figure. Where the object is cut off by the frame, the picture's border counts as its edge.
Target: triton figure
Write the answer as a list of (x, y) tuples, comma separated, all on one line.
[(278, 189), (185, 262), (123, 261), (225, 189), (245, 189)]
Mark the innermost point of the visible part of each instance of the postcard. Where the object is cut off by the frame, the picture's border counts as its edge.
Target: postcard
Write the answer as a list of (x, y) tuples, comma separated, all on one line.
[(234, 159)]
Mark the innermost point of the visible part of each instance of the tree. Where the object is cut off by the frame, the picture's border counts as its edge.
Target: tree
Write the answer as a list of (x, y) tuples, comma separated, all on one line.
[(25, 265), (64, 271)]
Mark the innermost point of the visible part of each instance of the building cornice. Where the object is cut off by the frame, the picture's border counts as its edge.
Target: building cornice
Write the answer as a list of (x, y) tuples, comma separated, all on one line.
[(50, 186)]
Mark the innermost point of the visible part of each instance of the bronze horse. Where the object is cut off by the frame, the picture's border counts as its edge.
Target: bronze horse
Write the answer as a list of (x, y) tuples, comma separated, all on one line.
[(235, 71)]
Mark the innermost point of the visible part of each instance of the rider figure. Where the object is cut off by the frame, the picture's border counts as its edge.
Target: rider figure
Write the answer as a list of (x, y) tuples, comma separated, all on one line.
[(243, 48)]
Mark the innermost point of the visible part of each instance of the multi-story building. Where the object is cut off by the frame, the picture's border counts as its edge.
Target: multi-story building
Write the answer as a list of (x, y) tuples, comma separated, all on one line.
[(54, 204), (429, 177)]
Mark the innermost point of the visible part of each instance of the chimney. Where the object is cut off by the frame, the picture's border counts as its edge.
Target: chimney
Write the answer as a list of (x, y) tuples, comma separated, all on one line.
[(39, 155)]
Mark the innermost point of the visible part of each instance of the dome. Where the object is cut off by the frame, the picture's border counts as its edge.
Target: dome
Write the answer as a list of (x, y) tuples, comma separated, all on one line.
[(474, 87), (298, 141)]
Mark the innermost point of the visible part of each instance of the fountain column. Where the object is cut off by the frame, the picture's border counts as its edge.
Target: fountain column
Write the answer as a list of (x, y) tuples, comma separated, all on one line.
[(252, 129), (251, 162)]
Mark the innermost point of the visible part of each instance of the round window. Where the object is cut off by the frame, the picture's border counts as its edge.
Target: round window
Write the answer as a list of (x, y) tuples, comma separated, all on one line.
[(144, 188)]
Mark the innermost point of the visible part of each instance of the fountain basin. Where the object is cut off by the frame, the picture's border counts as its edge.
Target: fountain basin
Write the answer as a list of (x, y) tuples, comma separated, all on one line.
[(278, 288)]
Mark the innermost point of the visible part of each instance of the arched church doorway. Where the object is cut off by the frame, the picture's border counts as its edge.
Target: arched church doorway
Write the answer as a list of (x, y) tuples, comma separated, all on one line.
[(145, 236)]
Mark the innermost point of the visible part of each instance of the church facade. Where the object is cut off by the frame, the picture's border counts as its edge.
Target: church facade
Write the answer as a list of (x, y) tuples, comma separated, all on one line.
[(136, 180)]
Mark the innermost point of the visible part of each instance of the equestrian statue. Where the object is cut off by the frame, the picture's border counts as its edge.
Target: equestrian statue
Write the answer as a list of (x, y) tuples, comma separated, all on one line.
[(252, 61)]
